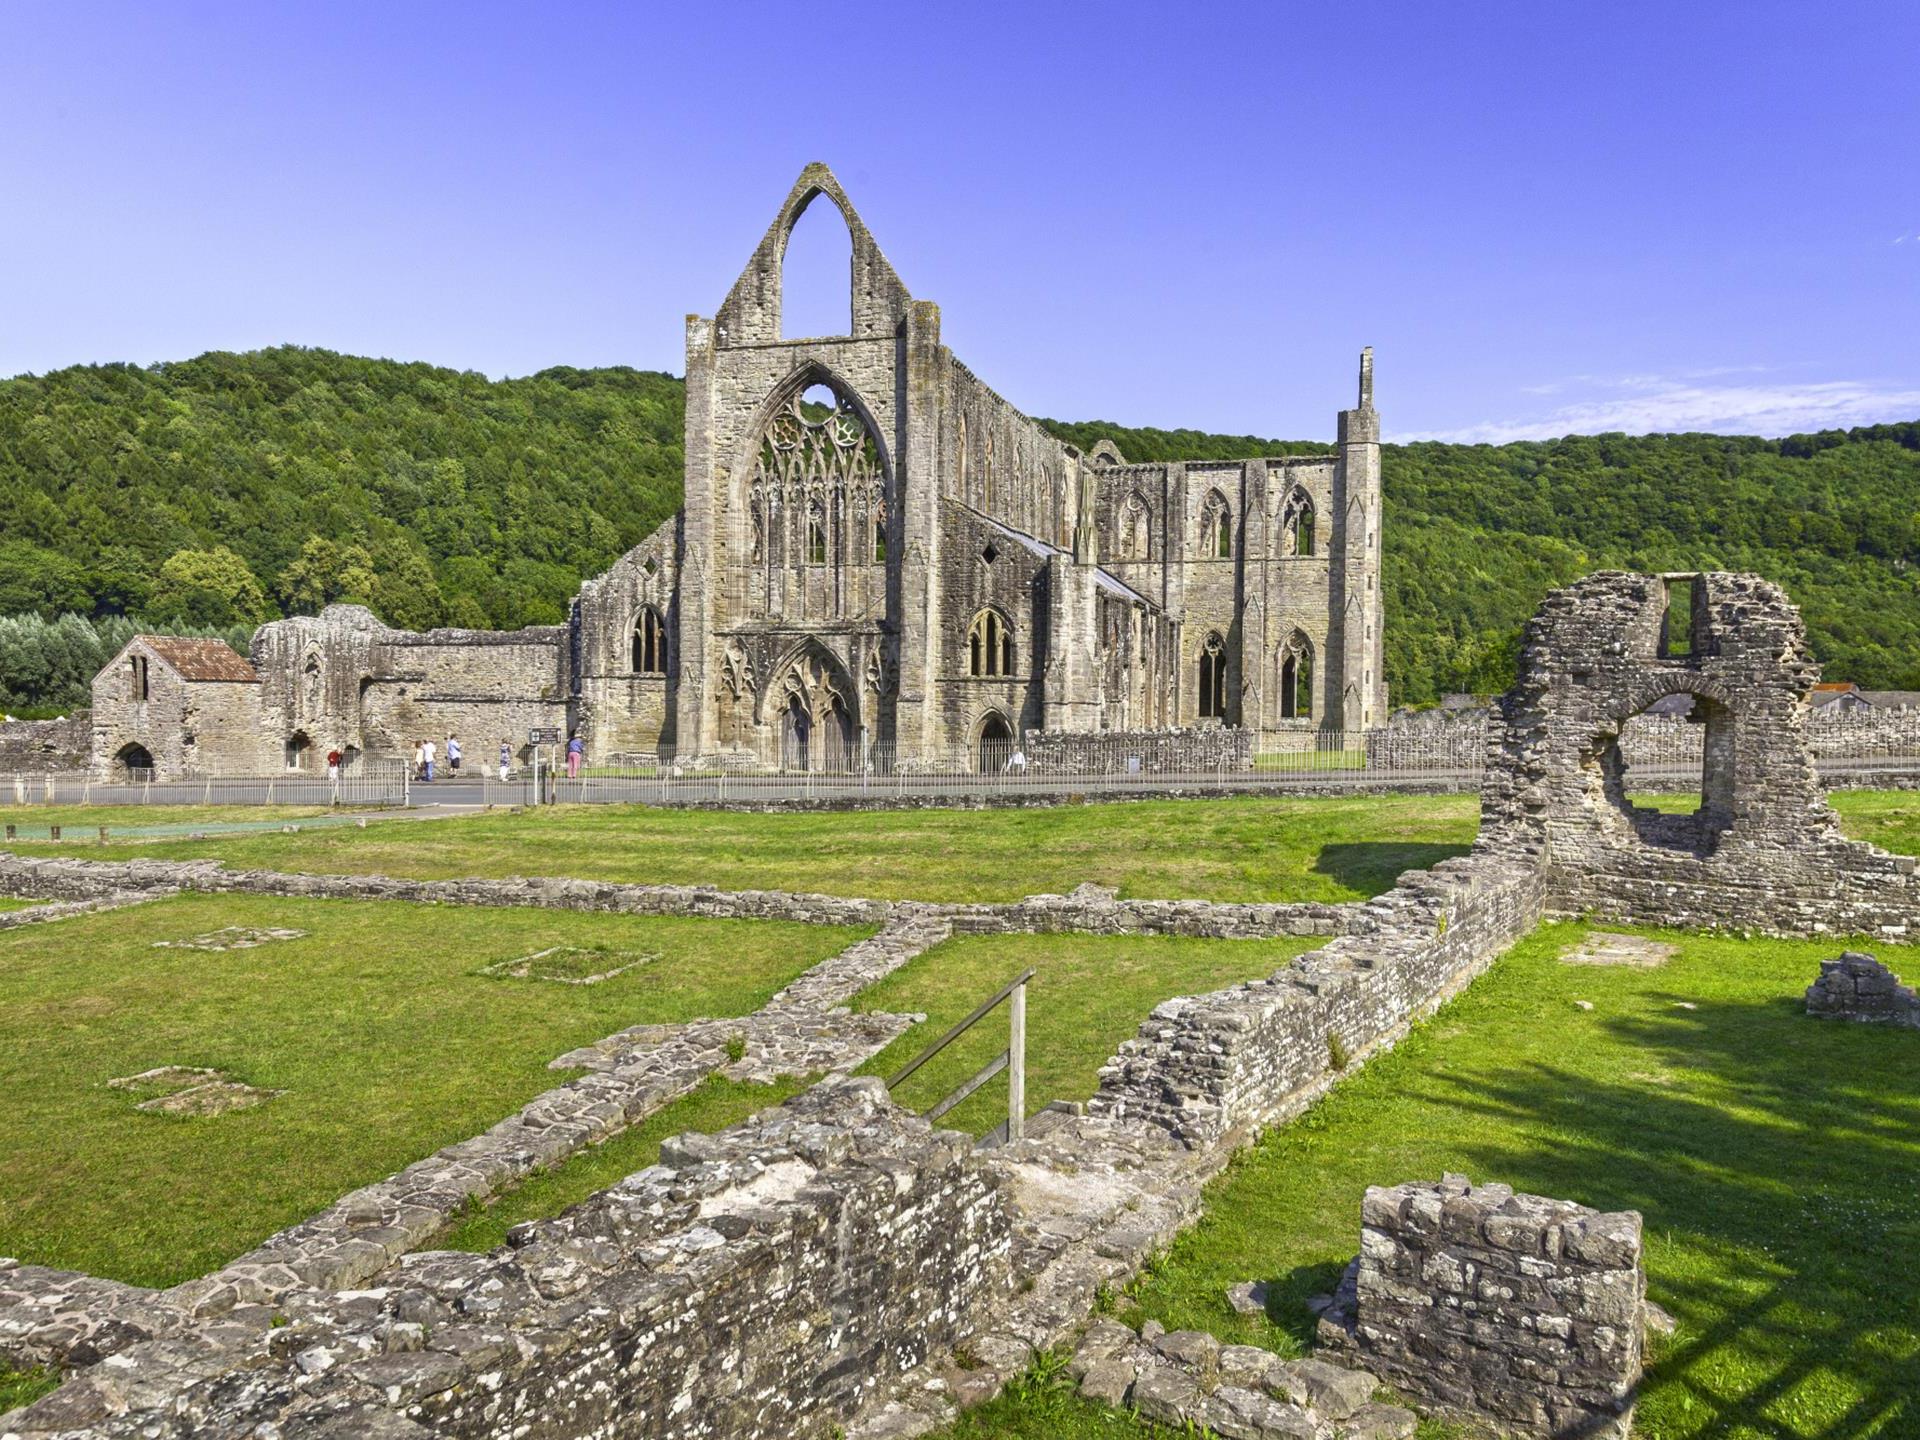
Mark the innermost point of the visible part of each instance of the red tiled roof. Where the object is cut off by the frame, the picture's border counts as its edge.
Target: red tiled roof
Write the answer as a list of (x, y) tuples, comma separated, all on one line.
[(198, 659)]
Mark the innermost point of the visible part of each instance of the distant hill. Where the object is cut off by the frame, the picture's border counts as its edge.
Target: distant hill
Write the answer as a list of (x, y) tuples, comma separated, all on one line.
[(229, 488)]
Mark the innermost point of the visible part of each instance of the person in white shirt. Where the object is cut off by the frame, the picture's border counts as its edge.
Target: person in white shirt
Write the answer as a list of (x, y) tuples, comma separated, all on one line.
[(427, 754), (506, 760), (453, 756)]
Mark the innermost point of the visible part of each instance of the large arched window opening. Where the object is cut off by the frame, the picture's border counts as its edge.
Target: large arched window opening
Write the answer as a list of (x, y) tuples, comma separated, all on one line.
[(1296, 526), (1216, 527), (989, 645), (134, 762), (649, 643), (816, 535), (1213, 678), (1136, 537), (816, 273), (1296, 678)]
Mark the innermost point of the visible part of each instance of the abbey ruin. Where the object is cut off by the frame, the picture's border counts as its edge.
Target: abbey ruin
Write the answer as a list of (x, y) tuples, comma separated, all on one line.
[(877, 554)]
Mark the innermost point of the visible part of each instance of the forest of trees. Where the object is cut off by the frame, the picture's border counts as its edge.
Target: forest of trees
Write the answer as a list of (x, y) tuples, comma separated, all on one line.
[(213, 493)]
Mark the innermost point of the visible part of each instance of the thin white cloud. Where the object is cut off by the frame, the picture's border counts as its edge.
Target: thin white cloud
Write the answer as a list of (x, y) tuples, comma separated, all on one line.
[(1676, 403)]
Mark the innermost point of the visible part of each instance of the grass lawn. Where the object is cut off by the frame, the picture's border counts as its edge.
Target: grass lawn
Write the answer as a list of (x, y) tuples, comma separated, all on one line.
[(1092, 992), (1253, 848), (1343, 848), (81, 823), (387, 1044), (9, 904), (1776, 1160)]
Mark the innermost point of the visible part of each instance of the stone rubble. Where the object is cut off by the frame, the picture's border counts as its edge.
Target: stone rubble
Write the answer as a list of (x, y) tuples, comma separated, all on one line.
[(1856, 986), (232, 937)]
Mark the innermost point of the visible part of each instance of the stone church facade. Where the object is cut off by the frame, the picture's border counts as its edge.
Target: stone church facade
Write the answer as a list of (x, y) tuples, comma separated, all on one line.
[(878, 557)]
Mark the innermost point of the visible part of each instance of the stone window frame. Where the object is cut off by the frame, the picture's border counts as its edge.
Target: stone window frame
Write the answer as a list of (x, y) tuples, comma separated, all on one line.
[(1216, 526), (1213, 677), (1298, 522), (649, 639), (990, 653), (1296, 659)]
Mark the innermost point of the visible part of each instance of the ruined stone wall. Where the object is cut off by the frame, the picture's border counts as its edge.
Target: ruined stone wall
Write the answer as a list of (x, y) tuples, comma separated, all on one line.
[(1517, 1308), (1249, 1056), (617, 709), (479, 685), (761, 1282), (1013, 583), (34, 747), (1763, 851), (1204, 748)]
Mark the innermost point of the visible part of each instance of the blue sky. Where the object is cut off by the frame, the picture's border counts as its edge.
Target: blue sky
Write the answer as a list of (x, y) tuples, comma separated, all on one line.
[(1545, 217)]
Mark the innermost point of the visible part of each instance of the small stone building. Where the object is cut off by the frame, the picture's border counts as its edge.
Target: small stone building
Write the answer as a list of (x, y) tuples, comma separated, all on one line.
[(170, 705), (879, 555)]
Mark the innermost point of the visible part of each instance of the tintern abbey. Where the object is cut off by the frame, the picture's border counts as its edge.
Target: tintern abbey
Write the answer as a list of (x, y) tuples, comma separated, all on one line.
[(877, 556)]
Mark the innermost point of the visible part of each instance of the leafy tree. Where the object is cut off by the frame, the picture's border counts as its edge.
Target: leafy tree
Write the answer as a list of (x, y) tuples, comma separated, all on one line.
[(208, 587), (326, 573)]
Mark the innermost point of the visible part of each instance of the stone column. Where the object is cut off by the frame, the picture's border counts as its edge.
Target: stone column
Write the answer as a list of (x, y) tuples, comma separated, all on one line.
[(1353, 562), (694, 641)]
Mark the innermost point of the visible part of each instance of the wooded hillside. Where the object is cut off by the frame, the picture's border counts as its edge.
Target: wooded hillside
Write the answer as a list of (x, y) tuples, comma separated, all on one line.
[(233, 488)]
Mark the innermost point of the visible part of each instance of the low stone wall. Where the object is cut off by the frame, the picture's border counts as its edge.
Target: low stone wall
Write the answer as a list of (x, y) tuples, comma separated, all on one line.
[(1103, 752), (1517, 1308), (1263, 1051), (1856, 986), (762, 1282), (36, 747), (1096, 910)]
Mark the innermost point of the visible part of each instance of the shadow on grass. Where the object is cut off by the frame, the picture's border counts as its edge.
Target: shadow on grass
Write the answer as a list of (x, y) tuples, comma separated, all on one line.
[(1372, 866), (1776, 1160)]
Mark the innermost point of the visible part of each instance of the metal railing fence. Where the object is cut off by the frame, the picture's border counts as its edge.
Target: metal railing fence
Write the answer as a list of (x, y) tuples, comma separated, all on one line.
[(1307, 762)]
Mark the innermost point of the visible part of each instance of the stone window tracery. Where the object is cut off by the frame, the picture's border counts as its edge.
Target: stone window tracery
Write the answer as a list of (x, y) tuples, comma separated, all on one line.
[(1213, 677), (989, 645), (817, 492), (1216, 527), (649, 643), (1135, 529), (1296, 525), (1296, 678)]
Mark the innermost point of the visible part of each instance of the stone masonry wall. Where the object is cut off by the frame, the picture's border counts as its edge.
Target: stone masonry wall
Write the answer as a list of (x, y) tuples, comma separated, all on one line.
[(1213, 747), (1518, 1308), (1261, 1052), (762, 1282), (1856, 986), (33, 747), (1763, 851)]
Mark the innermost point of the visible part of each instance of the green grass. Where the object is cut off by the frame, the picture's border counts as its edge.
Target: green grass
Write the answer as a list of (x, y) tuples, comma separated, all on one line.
[(1776, 1160), (1241, 849), (387, 1044), (10, 904), (23, 1387), (1255, 848), (81, 823), (1092, 992), (715, 1105)]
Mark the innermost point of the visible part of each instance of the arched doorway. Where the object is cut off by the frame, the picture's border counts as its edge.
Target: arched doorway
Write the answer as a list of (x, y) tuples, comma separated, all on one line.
[(815, 704), (796, 733), (992, 745), (134, 762)]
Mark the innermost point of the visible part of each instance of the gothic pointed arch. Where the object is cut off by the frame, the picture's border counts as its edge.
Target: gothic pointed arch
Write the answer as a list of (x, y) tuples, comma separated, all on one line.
[(813, 491), (649, 642), (1216, 527), (815, 704), (1295, 677), (1213, 677), (990, 644), (1133, 539), (1297, 524)]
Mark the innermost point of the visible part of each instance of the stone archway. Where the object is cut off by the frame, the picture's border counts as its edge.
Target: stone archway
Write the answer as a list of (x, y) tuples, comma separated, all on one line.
[(133, 762), (992, 744), (815, 701)]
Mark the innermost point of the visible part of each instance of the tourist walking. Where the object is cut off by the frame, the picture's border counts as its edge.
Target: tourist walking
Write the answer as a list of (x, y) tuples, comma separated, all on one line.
[(575, 750), (453, 756), (419, 759), (333, 766), (506, 759), (427, 752)]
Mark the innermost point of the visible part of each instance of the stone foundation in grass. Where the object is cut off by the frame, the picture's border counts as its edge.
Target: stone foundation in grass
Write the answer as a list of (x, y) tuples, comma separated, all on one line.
[(1516, 1309), (1856, 986)]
